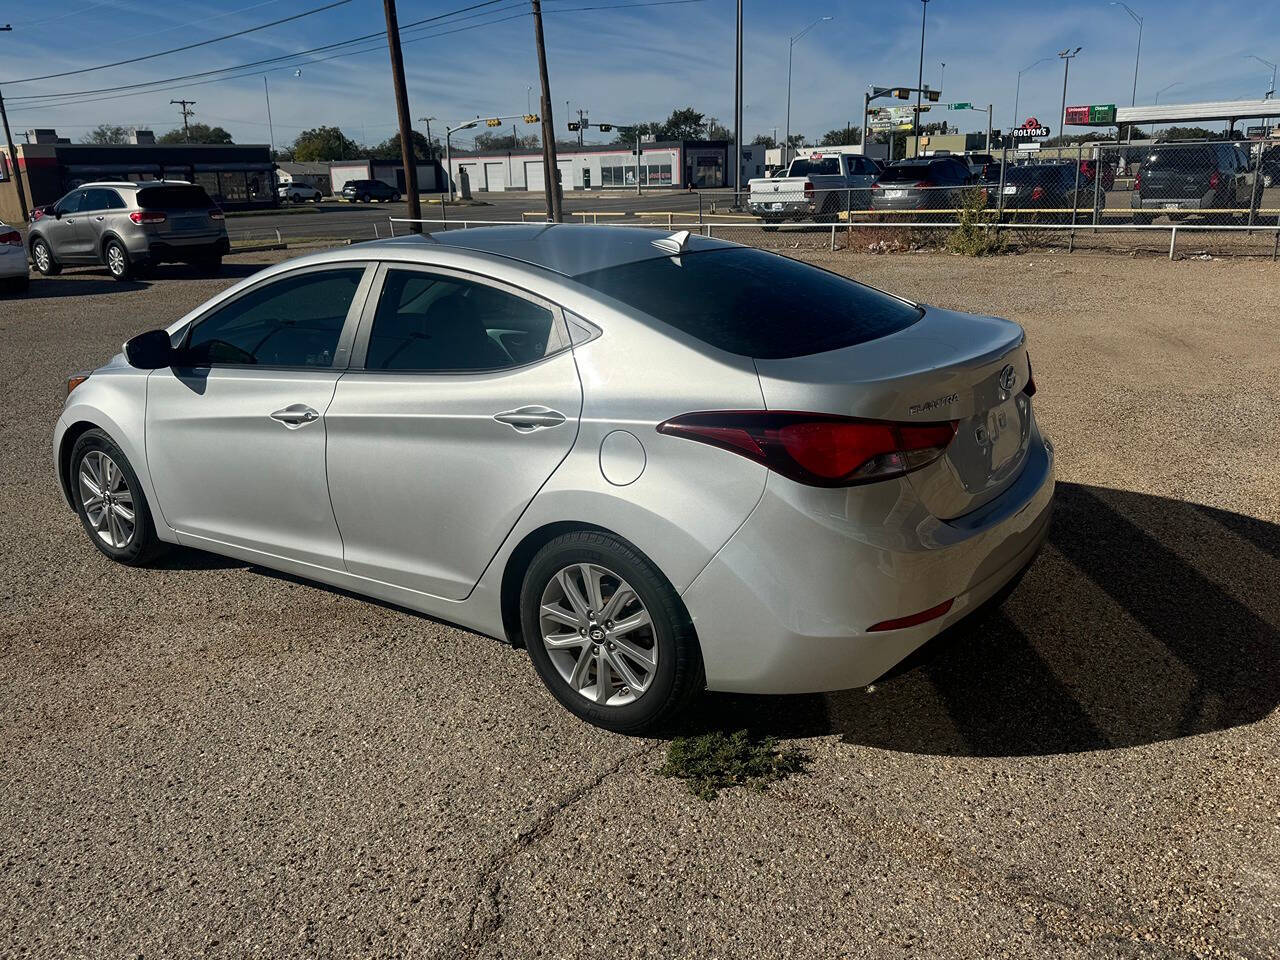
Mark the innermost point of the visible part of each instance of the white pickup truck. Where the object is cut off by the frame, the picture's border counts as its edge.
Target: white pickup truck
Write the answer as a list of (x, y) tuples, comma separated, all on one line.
[(816, 187)]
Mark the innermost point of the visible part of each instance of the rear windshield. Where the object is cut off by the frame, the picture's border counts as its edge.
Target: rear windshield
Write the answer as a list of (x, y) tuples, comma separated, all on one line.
[(810, 168), (753, 303), (910, 172), (174, 198), (1174, 157)]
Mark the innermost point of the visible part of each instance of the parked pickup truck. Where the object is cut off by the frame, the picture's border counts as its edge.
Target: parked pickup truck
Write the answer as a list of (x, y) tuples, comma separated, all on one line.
[(816, 187)]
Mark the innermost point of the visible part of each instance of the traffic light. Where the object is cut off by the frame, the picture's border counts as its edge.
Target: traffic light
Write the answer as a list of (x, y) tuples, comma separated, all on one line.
[(575, 125), (530, 118), (604, 127), (493, 122), (932, 95), (902, 93)]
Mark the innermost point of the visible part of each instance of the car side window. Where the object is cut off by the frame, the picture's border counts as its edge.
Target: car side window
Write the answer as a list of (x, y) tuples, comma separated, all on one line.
[(436, 323), (71, 203), (292, 322), (101, 199)]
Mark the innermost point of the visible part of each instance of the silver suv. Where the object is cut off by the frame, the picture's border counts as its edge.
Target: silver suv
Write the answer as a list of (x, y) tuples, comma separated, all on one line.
[(128, 226)]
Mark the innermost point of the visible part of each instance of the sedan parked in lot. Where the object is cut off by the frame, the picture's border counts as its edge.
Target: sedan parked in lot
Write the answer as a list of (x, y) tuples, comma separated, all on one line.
[(298, 192), (128, 226), (366, 191), (14, 275), (598, 443)]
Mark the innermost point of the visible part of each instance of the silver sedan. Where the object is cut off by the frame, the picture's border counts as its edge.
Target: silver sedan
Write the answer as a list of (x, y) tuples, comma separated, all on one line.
[(661, 464)]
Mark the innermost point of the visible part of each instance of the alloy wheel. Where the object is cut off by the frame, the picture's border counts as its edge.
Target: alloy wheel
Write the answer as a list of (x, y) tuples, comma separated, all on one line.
[(115, 260), (107, 499), (40, 254), (598, 634)]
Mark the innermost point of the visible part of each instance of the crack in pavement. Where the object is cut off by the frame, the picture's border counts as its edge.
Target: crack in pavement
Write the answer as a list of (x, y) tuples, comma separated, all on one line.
[(480, 928)]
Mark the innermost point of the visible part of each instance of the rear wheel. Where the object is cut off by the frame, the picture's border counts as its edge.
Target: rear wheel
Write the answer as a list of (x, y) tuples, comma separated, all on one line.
[(295, 197), (42, 257), (607, 633), (110, 501), (395, 198), (366, 199), (117, 259)]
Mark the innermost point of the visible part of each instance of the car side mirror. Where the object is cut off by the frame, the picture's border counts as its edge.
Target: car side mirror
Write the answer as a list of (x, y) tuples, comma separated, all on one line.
[(150, 351)]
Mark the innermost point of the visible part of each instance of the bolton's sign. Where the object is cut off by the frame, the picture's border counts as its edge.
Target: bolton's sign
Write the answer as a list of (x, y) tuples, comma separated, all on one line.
[(1031, 129)]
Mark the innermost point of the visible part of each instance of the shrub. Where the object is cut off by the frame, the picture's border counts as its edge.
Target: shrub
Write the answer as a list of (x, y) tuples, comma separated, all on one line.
[(974, 236), (713, 761)]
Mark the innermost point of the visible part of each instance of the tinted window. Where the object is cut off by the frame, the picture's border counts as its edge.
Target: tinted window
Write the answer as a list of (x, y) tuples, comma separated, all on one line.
[(905, 173), (293, 322), (811, 168), (1175, 157), (753, 303), (102, 199), (431, 322), (174, 198), (70, 203)]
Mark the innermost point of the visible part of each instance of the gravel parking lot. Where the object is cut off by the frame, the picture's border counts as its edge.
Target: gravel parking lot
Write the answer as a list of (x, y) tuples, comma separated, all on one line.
[(210, 759)]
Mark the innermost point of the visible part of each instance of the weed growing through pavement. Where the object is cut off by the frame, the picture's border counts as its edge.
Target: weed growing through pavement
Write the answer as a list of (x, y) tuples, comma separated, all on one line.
[(713, 761), (974, 236)]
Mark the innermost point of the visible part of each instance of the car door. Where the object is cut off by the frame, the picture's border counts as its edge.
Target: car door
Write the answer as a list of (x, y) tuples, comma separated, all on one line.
[(91, 219), (62, 230), (461, 400), (235, 431)]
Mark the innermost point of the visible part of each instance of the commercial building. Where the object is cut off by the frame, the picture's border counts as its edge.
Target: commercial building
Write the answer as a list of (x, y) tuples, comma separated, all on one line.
[(236, 176), (702, 164), (390, 172)]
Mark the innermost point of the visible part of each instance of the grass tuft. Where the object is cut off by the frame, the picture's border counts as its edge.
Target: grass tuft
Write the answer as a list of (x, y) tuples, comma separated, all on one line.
[(711, 762)]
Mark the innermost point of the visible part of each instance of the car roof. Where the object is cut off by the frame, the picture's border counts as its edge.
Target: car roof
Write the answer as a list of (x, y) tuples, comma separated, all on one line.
[(134, 184), (569, 249)]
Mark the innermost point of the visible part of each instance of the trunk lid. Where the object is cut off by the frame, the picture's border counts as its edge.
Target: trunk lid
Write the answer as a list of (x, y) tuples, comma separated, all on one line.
[(782, 188), (947, 366)]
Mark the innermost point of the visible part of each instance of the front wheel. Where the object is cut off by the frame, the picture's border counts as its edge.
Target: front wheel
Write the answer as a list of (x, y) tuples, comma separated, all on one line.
[(395, 198), (608, 634), (42, 257), (366, 199), (295, 198), (109, 500)]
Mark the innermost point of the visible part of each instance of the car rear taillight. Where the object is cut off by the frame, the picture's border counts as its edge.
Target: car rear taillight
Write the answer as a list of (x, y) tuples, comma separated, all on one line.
[(147, 216), (37, 213), (808, 189), (216, 214), (13, 238), (1137, 182), (924, 183), (1086, 168), (1214, 180), (1037, 193), (817, 449)]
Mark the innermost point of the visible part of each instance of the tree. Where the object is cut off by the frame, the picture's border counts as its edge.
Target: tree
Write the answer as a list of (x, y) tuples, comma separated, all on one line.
[(500, 141), (325, 143), (199, 133), (841, 137), (765, 140), (685, 123), (1191, 133), (106, 133), (389, 149)]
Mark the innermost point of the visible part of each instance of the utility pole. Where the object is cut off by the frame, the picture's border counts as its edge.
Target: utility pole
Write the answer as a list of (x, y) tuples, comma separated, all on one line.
[(1066, 55), (16, 173), (737, 108), (548, 127), (402, 113), (187, 114), (924, 13), (271, 130)]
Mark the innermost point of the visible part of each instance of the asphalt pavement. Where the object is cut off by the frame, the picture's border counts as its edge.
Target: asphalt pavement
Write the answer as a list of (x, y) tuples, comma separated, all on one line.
[(206, 758)]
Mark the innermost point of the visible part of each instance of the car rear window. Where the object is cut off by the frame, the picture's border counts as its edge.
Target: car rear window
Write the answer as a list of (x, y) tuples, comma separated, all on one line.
[(909, 172), (174, 198), (811, 168), (755, 304), (1174, 157)]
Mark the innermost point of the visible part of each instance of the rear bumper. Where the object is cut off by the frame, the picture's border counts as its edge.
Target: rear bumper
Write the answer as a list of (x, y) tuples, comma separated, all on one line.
[(195, 248), (784, 607), (13, 262), (781, 209)]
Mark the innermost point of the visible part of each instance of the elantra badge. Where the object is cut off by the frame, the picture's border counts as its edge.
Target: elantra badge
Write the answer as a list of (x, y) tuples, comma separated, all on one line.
[(1008, 378)]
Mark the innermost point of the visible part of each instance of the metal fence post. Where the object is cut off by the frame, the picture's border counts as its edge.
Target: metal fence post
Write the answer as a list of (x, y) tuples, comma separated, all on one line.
[(833, 238), (1173, 239), (1097, 182), (1075, 198), (1254, 202), (699, 206), (1004, 165)]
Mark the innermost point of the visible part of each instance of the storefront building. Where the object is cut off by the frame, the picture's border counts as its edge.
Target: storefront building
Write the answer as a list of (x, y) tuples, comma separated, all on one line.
[(236, 176)]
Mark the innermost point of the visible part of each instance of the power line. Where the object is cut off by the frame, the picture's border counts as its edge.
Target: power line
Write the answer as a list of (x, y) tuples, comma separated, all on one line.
[(189, 46)]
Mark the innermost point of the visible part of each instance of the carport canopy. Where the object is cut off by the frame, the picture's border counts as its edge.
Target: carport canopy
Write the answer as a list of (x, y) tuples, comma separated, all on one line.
[(1171, 113)]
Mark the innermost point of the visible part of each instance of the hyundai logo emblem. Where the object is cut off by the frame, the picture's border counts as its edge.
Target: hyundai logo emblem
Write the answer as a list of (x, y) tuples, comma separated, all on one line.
[(1008, 378)]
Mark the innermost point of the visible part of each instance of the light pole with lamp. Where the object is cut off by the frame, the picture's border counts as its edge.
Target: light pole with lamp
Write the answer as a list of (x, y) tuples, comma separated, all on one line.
[(1271, 92), (1017, 90), (1169, 86), (1133, 99), (924, 13), (791, 43), (1067, 56), (448, 150)]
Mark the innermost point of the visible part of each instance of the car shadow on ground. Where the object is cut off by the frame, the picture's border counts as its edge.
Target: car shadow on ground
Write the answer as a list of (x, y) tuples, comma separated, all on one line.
[(95, 281), (1143, 620)]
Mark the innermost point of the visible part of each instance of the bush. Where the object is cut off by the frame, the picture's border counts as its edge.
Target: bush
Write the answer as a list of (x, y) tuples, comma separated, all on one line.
[(974, 237)]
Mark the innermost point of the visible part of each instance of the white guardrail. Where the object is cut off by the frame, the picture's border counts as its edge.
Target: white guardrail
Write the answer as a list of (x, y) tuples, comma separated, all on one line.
[(708, 229)]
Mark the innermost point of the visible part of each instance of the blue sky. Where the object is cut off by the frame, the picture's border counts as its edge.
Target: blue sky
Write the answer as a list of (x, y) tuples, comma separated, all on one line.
[(629, 63)]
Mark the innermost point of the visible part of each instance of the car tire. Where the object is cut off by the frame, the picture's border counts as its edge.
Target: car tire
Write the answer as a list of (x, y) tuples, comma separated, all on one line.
[(366, 199), (116, 257), (295, 198), (96, 461), (395, 198), (42, 257), (651, 672)]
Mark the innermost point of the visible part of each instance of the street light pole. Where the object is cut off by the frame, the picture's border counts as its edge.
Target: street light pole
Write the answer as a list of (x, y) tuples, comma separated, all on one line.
[(271, 130), (1018, 88), (924, 13), (1158, 92), (1067, 56), (791, 43), (1133, 100)]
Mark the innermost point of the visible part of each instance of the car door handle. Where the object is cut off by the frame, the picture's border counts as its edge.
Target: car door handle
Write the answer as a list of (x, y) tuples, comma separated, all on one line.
[(296, 415), (99, 219), (528, 419)]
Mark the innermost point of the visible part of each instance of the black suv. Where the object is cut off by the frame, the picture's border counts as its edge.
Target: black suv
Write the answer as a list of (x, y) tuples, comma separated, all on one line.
[(366, 191), (1046, 191), (1183, 179), (927, 183)]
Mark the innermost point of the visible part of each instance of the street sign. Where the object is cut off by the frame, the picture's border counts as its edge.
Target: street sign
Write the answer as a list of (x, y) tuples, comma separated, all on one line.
[(960, 106)]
